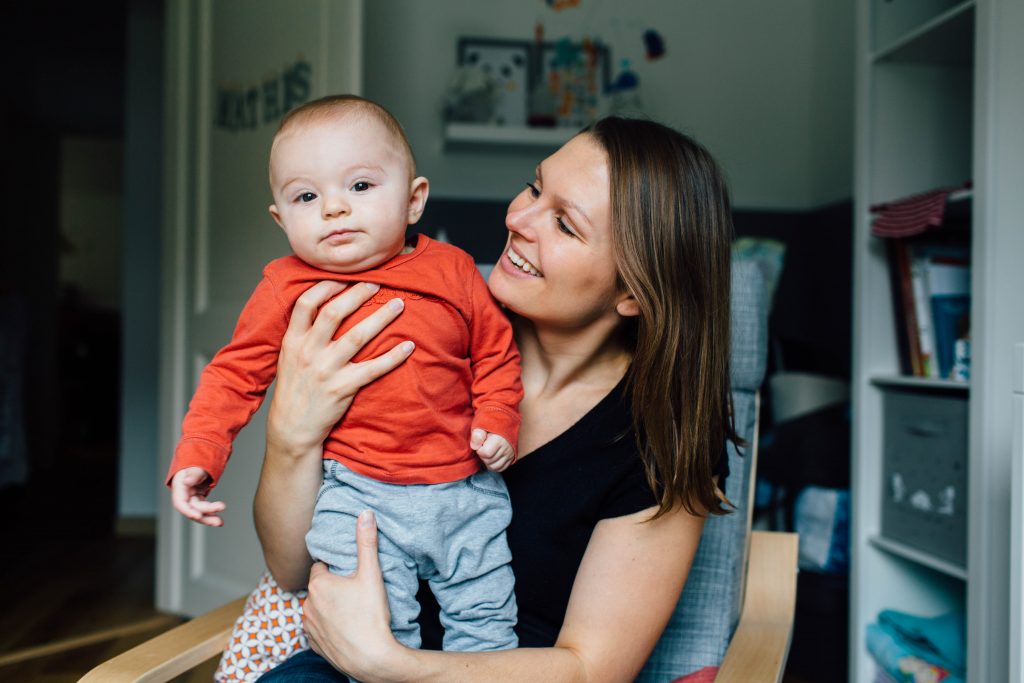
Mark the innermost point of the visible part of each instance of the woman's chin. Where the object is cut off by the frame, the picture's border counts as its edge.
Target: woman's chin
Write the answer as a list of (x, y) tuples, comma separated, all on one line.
[(504, 285)]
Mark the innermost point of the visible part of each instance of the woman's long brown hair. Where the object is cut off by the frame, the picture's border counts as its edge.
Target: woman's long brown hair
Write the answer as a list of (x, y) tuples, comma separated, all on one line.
[(673, 237)]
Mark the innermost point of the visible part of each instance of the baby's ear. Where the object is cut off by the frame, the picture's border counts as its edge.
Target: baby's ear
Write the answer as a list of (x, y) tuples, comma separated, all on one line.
[(276, 215), (418, 191)]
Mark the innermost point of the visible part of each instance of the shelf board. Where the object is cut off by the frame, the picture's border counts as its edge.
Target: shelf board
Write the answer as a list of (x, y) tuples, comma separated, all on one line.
[(919, 557), (960, 196), (479, 133), (947, 39), (907, 382)]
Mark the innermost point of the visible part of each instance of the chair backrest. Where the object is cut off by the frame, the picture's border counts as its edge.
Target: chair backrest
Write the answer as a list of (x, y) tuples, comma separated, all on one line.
[(703, 622)]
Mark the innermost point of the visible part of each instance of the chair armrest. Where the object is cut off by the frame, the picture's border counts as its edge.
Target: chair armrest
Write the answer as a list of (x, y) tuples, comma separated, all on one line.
[(758, 649), (174, 652)]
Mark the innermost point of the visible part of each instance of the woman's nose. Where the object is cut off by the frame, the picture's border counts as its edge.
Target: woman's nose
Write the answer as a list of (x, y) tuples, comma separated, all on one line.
[(522, 219)]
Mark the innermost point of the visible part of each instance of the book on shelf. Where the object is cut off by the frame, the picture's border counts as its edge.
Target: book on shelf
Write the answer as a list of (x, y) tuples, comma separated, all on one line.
[(929, 273), (949, 286), (931, 304), (923, 312), (907, 338)]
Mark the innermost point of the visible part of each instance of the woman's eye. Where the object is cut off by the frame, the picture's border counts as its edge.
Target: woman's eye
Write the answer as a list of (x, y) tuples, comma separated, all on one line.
[(564, 228), (306, 197), (361, 186), (534, 192)]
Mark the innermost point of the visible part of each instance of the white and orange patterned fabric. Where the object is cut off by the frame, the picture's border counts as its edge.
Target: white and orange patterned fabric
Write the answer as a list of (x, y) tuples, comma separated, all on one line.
[(268, 632)]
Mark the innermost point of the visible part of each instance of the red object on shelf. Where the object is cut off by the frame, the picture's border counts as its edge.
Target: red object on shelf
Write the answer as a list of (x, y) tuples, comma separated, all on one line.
[(912, 215)]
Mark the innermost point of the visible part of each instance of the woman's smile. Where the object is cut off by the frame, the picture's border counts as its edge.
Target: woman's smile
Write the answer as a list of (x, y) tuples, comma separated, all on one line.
[(520, 262)]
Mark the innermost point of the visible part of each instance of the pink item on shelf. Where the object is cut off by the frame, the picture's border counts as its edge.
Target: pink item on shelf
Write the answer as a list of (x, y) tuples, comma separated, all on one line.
[(912, 215)]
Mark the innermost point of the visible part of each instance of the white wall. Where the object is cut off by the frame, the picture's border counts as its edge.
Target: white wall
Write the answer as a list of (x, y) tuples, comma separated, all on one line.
[(768, 87), (138, 479)]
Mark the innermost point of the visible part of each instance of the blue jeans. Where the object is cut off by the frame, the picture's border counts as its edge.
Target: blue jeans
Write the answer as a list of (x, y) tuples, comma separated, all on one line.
[(305, 667)]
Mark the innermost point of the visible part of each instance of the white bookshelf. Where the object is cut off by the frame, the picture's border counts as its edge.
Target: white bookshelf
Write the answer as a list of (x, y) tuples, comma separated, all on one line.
[(480, 133), (939, 101), (922, 558), (928, 383)]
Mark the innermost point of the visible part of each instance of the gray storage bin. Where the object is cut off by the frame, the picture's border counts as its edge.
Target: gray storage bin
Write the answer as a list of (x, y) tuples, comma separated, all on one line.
[(924, 499)]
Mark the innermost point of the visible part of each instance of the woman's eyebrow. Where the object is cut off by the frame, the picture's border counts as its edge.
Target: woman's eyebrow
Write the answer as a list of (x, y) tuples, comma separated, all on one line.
[(571, 204)]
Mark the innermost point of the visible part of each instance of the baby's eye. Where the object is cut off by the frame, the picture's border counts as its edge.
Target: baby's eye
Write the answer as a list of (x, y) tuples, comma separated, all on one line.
[(306, 197), (534, 192), (361, 186)]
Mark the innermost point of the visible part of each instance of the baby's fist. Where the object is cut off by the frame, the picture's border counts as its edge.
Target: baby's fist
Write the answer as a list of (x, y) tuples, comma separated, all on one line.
[(189, 487), (493, 450)]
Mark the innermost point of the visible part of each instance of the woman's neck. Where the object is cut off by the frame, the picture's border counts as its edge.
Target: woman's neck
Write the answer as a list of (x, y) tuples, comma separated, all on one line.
[(554, 359)]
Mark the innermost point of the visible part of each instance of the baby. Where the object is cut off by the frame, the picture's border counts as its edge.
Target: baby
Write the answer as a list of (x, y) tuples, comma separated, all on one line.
[(343, 180)]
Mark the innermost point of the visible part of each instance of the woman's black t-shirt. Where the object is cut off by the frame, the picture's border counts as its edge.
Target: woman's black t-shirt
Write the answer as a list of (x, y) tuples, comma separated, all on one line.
[(590, 472)]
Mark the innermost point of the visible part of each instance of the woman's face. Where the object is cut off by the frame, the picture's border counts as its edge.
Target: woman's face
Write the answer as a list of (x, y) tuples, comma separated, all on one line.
[(558, 267)]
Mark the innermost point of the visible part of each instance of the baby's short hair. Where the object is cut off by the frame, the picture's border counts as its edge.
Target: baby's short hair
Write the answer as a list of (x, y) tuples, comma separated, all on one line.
[(334, 105)]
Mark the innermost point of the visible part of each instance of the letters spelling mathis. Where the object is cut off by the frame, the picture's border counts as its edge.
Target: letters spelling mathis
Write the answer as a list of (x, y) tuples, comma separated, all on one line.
[(246, 109)]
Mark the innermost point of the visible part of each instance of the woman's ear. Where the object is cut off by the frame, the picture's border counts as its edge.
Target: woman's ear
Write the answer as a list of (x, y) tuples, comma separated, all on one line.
[(418, 191), (627, 306)]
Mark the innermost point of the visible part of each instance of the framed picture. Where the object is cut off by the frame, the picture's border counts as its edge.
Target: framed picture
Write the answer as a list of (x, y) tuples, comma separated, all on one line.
[(571, 81), (492, 83)]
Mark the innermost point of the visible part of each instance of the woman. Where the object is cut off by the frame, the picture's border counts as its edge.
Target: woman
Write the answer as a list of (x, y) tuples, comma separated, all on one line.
[(616, 277)]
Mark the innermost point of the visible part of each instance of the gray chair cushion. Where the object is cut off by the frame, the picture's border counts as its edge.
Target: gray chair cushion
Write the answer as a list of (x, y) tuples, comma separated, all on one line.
[(699, 631)]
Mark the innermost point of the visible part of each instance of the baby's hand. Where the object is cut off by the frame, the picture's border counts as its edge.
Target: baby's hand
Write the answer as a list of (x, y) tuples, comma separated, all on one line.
[(494, 450), (189, 487)]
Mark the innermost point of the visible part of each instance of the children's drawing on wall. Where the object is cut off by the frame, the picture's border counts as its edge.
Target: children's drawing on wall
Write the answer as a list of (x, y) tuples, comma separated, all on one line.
[(571, 82), (565, 76), (491, 81)]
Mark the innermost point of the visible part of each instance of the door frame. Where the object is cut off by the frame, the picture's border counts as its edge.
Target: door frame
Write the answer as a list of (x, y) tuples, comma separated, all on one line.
[(188, 34)]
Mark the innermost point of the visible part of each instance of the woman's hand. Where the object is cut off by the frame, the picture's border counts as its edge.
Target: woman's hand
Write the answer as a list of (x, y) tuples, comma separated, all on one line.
[(347, 617), (316, 380)]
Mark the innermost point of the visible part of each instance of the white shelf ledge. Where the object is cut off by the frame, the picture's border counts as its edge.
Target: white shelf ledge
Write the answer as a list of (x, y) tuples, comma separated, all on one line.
[(944, 39), (477, 133), (919, 557), (908, 382), (960, 195)]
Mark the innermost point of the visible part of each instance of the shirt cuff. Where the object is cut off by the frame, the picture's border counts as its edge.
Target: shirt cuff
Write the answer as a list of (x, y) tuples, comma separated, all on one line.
[(501, 421), (199, 452)]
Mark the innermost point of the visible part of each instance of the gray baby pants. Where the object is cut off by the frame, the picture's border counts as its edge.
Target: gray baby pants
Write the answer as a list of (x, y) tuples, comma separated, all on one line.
[(452, 535)]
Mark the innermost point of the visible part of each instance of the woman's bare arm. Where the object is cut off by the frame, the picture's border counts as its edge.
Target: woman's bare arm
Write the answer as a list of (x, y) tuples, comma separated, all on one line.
[(627, 586), (316, 382)]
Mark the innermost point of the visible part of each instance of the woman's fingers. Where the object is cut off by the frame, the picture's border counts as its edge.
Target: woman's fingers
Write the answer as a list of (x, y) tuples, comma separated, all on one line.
[(333, 312), (349, 344), (309, 302), (317, 569), (367, 560), (369, 370)]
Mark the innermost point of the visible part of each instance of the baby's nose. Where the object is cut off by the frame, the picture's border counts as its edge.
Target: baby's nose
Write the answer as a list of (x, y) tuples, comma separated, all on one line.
[(334, 206)]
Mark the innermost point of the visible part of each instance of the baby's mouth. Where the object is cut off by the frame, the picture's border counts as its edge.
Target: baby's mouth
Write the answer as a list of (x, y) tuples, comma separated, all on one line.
[(522, 264), (338, 235)]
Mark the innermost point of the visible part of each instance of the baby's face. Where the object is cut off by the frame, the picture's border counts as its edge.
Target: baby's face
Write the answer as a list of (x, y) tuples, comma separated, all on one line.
[(342, 192)]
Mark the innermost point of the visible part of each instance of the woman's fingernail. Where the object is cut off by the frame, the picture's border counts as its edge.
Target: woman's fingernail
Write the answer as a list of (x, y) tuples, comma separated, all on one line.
[(372, 287), (408, 346), (366, 519), (396, 304)]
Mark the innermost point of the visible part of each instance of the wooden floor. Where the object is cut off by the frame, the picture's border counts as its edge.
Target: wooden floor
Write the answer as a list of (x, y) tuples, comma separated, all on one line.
[(78, 594)]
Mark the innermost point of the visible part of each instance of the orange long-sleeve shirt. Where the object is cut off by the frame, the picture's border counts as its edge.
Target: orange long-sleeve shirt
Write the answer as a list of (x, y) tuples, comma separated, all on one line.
[(412, 425)]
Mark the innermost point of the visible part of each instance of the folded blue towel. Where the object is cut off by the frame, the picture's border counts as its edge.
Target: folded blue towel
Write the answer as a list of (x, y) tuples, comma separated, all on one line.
[(900, 663), (941, 640)]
